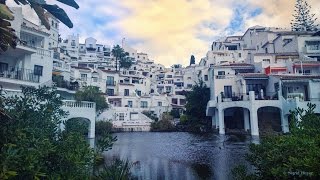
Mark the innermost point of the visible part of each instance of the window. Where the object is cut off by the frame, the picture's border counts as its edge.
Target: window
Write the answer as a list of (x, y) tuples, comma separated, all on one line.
[(52, 23), (206, 77), (121, 116), (83, 77), (169, 76), (139, 93), (266, 50), (130, 104), (38, 70), (189, 78), (159, 103), (189, 85), (3, 67), (254, 87), (228, 91), (221, 73), (110, 92), (95, 79), (56, 25), (110, 81), (126, 92), (168, 88), (266, 61), (240, 55), (73, 43), (144, 104), (307, 72), (313, 45)]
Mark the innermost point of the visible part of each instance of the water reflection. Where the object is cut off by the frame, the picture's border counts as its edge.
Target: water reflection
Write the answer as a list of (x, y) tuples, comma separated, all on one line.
[(180, 155)]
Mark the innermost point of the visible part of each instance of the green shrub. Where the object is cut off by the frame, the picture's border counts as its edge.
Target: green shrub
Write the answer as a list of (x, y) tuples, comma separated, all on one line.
[(103, 127)]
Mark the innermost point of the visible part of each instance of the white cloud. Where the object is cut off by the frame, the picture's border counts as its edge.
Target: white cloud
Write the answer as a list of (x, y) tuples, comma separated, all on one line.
[(171, 30)]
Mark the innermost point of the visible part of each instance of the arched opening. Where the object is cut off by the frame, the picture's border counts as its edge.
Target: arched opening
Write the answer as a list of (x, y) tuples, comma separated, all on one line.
[(269, 120), (80, 125), (234, 119)]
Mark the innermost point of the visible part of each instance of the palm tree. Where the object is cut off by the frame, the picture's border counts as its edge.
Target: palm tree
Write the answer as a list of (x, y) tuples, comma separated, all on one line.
[(118, 53), (7, 35)]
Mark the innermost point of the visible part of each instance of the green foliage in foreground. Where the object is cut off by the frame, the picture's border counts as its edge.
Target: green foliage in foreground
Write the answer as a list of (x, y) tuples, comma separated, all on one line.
[(78, 125), (33, 147), (292, 156)]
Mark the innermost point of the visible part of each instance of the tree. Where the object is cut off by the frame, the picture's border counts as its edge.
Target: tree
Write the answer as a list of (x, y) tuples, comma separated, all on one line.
[(197, 100), (103, 127), (125, 61), (292, 156), (31, 144), (192, 60), (120, 56), (164, 125), (303, 19), (92, 94), (7, 34)]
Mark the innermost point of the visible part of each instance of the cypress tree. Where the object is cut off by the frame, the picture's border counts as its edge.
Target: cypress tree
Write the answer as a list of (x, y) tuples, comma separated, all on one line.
[(303, 20)]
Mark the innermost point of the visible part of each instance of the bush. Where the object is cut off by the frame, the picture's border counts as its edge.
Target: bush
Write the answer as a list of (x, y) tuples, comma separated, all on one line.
[(103, 127), (292, 156), (150, 115), (79, 125), (183, 119)]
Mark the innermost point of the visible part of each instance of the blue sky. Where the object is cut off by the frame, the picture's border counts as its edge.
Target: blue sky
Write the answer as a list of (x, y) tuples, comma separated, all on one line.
[(170, 31)]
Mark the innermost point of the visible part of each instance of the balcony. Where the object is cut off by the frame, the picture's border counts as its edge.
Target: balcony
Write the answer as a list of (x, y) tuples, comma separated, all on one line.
[(224, 77), (60, 83), (110, 83), (19, 74)]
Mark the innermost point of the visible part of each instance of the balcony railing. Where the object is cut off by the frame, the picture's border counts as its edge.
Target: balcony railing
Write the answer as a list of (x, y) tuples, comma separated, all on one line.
[(224, 77), (59, 82), (111, 83), (43, 52), (19, 74)]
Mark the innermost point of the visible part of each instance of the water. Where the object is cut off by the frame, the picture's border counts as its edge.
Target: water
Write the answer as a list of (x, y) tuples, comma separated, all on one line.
[(180, 155)]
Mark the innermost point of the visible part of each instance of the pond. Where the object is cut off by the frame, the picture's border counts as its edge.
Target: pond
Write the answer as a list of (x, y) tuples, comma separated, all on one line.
[(180, 155)]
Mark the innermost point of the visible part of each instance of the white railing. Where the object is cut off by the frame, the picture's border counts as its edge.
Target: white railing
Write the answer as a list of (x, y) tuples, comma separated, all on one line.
[(11, 92), (78, 104), (43, 52)]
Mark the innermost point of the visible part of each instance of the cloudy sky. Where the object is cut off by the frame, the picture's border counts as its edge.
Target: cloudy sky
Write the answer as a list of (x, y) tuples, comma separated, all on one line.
[(171, 30)]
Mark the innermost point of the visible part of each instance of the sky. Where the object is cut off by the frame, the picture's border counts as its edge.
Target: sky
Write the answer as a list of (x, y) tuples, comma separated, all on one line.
[(170, 31)]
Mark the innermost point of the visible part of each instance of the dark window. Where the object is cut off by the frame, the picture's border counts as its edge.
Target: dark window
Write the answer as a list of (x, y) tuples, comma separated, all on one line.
[(159, 103), (3, 67), (110, 81), (126, 92), (130, 104), (206, 77), (254, 87), (38, 70), (221, 73), (143, 104), (139, 93), (110, 92), (228, 91)]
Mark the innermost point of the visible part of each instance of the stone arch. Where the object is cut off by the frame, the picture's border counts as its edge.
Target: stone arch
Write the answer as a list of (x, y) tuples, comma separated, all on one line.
[(78, 122), (81, 109), (269, 119), (236, 118)]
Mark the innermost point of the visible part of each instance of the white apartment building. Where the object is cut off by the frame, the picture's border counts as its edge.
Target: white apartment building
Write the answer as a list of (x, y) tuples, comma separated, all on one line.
[(30, 64), (281, 73)]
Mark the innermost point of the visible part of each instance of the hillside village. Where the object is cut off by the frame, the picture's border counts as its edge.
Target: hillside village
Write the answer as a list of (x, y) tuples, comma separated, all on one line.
[(266, 72)]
